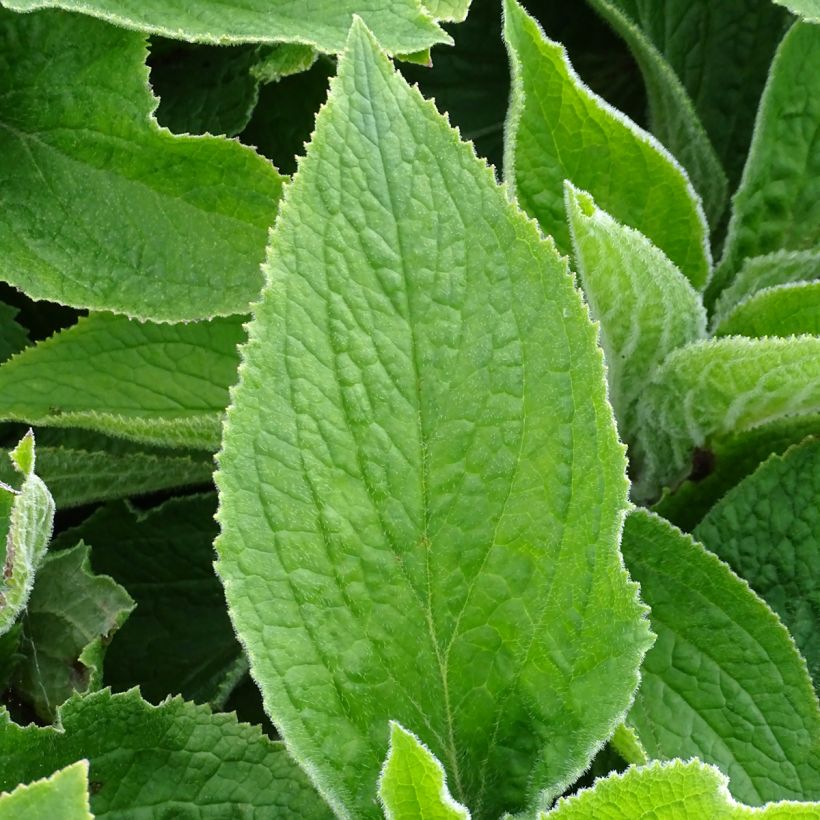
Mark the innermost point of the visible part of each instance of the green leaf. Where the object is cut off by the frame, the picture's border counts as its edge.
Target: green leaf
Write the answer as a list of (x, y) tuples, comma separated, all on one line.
[(397, 543), (728, 462), (557, 129), (172, 760), (777, 206), (807, 9), (673, 791), (283, 60), (402, 25), (26, 519), (721, 52), (787, 310), (70, 618), (449, 11), (161, 384), (64, 795), (724, 681), (129, 217), (412, 783), (645, 305), (711, 389), (13, 337), (203, 89), (179, 640), (673, 117), (768, 530)]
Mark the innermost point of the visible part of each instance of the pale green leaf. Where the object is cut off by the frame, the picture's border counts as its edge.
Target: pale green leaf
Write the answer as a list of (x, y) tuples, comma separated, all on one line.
[(557, 129), (26, 520), (283, 60), (397, 543), (724, 681), (179, 640), (71, 616), (13, 337), (174, 760), (104, 209), (161, 384), (63, 796), (454, 11), (777, 206), (721, 52), (768, 530), (402, 25), (711, 389), (786, 310), (412, 784), (728, 462), (645, 305), (670, 791), (807, 9), (674, 120)]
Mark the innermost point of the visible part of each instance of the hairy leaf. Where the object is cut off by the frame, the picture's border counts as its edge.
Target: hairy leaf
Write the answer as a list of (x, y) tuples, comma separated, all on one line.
[(672, 791), (557, 129), (179, 640), (787, 310), (64, 795), (176, 759), (274, 63), (674, 119), (645, 305), (777, 206), (402, 25), (724, 681), (26, 519), (396, 542), (102, 208), (161, 384), (768, 530), (70, 618), (711, 389), (412, 782)]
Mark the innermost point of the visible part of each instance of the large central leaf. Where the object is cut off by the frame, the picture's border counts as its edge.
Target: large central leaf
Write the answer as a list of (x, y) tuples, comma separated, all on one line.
[(422, 487)]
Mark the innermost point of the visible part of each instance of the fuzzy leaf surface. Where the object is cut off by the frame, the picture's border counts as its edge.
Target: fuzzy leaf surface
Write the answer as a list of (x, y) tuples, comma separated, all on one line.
[(412, 782), (26, 521), (786, 310), (674, 120), (777, 206), (154, 383), (64, 795), (647, 308), (724, 681), (70, 618), (672, 791), (768, 530), (102, 208), (708, 390), (176, 759), (397, 543), (402, 25), (557, 129)]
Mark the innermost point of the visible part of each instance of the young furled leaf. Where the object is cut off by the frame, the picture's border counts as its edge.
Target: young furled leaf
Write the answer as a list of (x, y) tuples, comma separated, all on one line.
[(403, 26), (421, 483), (724, 681), (768, 530), (103, 209), (172, 760), (711, 389), (155, 383), (645, 305), (557, 129), (26, 519), (412, 783), (676, 790), (777, 206), (64, 795)]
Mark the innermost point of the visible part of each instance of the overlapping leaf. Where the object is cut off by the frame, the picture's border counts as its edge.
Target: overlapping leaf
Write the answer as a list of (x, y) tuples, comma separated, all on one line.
[(557, 129), (724, 681), (787, 310), (64, 795), (102, 208), (160, 384), (421, 482)]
